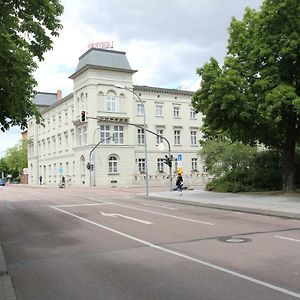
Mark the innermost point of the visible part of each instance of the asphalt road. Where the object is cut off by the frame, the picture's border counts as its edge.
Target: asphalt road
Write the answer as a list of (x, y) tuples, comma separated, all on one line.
[(108, 244)]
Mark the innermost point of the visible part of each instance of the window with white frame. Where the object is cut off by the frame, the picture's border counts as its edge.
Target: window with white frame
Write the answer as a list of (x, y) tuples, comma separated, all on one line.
[(192, 113), (176, 111), (141, 165), (141, 136), (105, 134), (113, 164), (160, 164), (118, 134), (59, 119), (66, 141), (31, 148), (54, 144), (66, 116), (84, 135), (193, 137), (49, 146), (140, 109), (177, 140), (111, 104), (159, 110), (59, 143), (159, 139), (194, 164), (53, 122)]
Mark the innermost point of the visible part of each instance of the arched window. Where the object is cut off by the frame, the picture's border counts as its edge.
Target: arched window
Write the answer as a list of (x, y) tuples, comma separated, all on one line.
[(113, 164), (111, 103), (100, 102)]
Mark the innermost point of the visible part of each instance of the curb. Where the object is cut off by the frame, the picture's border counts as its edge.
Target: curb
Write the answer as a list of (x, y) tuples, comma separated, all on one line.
[(7, 291)]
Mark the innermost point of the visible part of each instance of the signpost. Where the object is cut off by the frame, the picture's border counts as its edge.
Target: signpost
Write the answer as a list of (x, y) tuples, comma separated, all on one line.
[(179, 163)]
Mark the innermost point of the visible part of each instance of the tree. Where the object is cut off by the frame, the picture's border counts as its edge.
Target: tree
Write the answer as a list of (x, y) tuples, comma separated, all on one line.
[(16, 158), (255, 96), (26, 28)]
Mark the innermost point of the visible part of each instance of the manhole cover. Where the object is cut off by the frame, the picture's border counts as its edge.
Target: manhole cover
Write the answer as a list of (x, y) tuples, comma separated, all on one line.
[(230, 239)]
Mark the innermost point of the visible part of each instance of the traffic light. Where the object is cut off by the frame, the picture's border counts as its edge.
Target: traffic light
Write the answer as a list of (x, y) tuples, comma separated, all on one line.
[(168, 160), (88, 165), (92, 167), (83, 116)]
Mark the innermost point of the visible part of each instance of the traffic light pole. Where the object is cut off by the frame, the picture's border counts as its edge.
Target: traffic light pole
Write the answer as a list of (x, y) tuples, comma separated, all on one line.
[(158, 135)]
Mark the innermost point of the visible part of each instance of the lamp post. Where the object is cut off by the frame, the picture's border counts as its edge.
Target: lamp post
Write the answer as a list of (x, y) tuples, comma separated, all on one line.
[(145, 136)]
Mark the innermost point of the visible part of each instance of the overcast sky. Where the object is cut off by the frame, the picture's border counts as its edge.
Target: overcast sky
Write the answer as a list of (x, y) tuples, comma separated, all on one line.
[(165, 40)]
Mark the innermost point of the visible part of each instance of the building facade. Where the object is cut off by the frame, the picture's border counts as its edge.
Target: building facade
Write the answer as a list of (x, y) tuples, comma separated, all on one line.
[(112, 138)]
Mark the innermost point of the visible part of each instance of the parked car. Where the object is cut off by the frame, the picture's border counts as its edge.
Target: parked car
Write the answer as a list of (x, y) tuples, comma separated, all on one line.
[(2, 181)]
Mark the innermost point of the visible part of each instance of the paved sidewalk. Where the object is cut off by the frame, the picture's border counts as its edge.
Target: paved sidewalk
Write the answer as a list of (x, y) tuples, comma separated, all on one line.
[(6, 288), (277, 205)]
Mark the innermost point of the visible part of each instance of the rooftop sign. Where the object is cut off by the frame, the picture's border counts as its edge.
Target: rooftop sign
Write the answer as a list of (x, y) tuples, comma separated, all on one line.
[(102, 45)]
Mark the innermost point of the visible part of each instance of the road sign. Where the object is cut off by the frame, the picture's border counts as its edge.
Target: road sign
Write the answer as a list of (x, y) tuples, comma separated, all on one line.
[(60, 170), (179, 158)]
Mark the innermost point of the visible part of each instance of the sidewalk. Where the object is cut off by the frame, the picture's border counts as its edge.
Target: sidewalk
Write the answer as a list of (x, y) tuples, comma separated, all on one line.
[(275, 205), (6, 289)]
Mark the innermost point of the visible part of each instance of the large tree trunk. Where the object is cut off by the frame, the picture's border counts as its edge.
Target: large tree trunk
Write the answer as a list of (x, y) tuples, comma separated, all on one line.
[(288, 167)]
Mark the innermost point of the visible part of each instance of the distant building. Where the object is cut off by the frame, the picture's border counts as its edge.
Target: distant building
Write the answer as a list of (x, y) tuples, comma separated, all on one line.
[(63, 146)]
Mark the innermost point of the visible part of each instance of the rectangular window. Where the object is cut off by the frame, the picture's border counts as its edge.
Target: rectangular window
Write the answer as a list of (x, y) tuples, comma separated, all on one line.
[(111, 103), (194, 164), (105, 134), (176, 112), (159, 139), (141, 136), (177, 137), (54, 144), (84, 135), (142, 165), (192, 113), (119, 134), (66, 141), (59, 143), (160, 164), (140, 109), (159, 110), (193, 137)]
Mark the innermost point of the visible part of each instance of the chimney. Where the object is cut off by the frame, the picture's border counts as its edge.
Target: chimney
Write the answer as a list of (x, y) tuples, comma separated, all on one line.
[(58, 95)]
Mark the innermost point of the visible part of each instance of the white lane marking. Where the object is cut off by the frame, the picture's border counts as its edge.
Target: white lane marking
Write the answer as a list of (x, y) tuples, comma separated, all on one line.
[(285, 238), (166, 207), (76, 205), (190, 258), (166, 215), (126, 217)]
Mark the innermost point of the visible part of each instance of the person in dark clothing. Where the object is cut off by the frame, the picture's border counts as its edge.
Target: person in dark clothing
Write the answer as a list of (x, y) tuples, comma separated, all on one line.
[(41, 180), (179, 183)]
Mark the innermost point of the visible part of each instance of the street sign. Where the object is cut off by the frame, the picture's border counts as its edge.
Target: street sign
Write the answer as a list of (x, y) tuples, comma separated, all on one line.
[(60, 170), (179, 163)]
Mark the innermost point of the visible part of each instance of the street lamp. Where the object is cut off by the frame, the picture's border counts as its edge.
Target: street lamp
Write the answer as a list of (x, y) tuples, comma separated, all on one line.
[(145, 131)]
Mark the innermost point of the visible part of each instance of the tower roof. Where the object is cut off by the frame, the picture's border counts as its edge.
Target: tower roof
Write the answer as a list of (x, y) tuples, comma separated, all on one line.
[(103, 59)]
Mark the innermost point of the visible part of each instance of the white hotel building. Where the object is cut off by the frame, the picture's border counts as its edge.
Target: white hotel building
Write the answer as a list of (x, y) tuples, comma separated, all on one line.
[(63, 146)]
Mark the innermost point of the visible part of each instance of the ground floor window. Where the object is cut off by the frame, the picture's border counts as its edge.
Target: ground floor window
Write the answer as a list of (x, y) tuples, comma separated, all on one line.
[(113, 164), (142, 165)]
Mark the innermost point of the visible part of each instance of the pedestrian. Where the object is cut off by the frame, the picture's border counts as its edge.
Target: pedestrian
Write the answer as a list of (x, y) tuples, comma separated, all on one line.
[(41, 179), (179, 183)]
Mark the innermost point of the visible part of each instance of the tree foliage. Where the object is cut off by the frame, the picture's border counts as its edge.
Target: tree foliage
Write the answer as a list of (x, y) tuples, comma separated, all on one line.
[(26, 28), (16, 157), (240, 168), (255, 96)]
